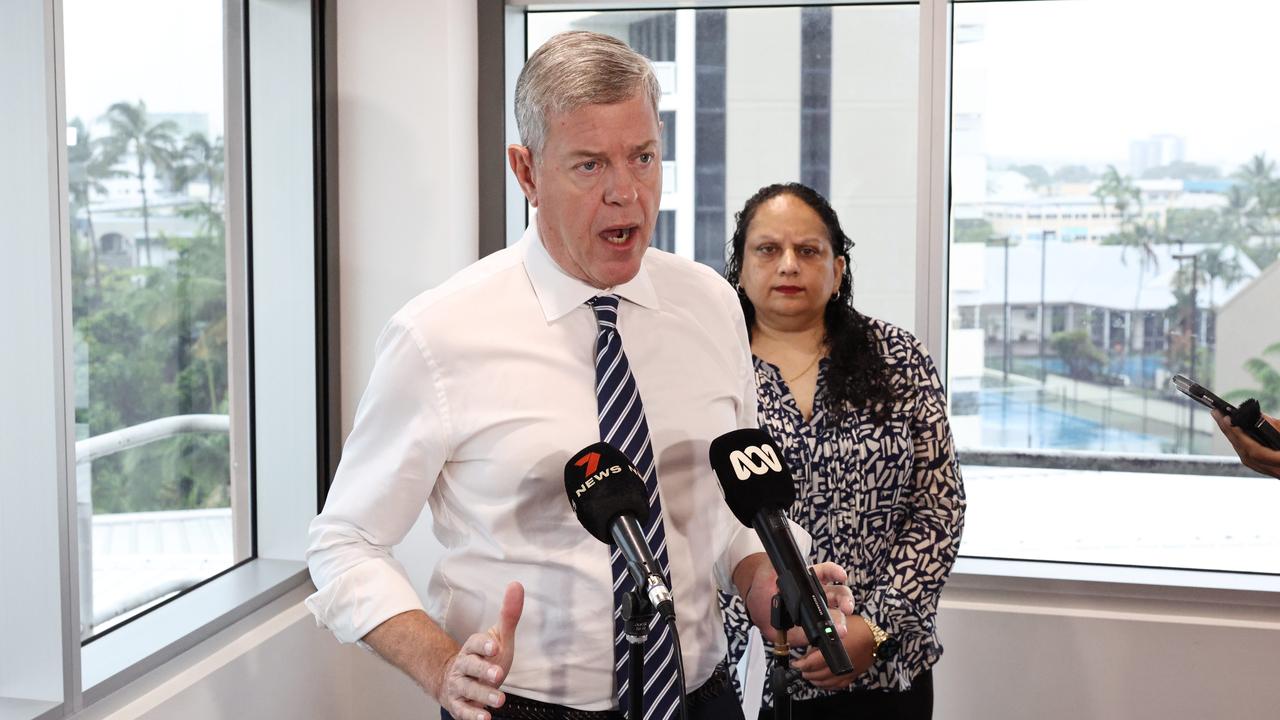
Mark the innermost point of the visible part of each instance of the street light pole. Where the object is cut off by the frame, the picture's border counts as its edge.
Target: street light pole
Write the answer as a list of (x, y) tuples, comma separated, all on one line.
[(1006, 318), (1044, 370)]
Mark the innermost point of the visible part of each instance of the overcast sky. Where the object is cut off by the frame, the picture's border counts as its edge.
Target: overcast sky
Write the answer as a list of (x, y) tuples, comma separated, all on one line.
[(1084, 77), (1064, 79), (166, 52)]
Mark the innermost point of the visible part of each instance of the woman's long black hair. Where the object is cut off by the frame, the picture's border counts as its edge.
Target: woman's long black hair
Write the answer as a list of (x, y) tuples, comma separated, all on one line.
[(858, 375)]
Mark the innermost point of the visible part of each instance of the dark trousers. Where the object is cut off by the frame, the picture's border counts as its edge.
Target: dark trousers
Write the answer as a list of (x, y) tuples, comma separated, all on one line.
[(723, 706), (913, 704)]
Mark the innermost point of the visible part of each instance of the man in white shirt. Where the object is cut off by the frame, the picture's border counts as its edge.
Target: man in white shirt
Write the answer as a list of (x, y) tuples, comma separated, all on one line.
[(485, 386)]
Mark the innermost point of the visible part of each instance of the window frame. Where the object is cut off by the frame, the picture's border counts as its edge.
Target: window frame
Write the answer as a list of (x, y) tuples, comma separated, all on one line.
[(500, 63), (282, 496)]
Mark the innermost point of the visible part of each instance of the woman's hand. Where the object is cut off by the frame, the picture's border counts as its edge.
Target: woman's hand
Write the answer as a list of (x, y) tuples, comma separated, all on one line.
[(858, 642), (1251, 452)]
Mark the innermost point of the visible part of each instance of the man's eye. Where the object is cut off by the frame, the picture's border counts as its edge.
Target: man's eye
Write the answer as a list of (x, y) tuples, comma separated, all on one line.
[(646, 158), (590, 165)]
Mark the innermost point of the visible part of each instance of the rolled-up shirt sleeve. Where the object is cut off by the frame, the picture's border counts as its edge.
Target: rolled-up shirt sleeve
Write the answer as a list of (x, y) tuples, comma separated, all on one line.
[(390, 463)]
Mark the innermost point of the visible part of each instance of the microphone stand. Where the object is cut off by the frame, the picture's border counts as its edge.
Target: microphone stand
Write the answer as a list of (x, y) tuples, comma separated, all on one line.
[(637, 613), (781, 621)]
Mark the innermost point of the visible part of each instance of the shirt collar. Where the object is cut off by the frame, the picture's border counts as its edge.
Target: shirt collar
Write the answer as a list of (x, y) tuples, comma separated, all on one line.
[(558, 292)]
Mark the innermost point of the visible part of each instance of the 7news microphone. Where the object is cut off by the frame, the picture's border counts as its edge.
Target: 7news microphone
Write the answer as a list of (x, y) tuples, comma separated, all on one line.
[(758, 489), (608, 496)]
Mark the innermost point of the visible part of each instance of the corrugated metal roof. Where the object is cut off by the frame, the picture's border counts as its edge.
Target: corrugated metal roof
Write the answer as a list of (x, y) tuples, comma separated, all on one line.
[(1080, 273)]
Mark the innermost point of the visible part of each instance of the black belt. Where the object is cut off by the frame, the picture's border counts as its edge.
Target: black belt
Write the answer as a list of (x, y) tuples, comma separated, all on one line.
[(522, 708)]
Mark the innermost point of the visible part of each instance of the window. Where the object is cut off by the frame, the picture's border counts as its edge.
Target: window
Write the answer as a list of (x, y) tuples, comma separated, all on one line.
[(1129, 309), (166, 416), (825, 95), (1057, 341), (158, 505)]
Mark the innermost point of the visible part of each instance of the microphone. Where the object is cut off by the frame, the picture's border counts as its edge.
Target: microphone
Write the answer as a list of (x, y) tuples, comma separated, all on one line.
[(608, 495), (758, 488)]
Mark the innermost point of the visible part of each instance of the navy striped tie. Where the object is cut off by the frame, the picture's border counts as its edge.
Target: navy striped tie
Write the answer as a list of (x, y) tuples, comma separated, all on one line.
[(623, 426)]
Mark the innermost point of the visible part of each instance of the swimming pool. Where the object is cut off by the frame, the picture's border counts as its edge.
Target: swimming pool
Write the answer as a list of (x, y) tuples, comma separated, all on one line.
[(1011, 422)]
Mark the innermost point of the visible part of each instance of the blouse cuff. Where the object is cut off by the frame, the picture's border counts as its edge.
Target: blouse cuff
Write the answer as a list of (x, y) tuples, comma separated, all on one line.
[(897, 616)]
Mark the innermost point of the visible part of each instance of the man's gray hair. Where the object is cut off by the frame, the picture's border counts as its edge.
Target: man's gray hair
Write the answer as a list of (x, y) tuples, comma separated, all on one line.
[(574, 69)]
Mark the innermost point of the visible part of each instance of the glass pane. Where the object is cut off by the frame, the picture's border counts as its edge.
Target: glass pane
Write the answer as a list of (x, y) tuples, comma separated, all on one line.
[(1115, 221), (826, 96), (145, 151)]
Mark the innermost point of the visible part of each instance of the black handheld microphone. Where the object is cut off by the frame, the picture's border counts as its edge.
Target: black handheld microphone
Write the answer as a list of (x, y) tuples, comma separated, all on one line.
[(609, 498), (758, 488)]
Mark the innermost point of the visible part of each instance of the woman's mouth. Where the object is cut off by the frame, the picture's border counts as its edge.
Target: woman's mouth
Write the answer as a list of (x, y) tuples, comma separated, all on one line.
[(789, 289)]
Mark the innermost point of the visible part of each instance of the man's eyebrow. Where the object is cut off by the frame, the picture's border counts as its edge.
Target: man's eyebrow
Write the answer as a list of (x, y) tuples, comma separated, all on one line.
[(648, 145)]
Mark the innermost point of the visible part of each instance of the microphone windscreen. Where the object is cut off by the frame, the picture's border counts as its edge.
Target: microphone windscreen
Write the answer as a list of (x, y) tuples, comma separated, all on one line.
[(603, 484), (752, 473)]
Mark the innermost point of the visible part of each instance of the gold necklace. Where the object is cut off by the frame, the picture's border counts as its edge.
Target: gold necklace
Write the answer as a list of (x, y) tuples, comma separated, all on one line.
[(806, 370)]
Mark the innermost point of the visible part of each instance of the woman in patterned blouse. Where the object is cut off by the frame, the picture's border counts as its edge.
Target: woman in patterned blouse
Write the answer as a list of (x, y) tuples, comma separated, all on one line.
[(859, 411)]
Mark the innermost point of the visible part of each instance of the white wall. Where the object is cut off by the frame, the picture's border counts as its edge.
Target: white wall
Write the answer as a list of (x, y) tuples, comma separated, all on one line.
[(1064, 656), (407, 163), (407, 157)]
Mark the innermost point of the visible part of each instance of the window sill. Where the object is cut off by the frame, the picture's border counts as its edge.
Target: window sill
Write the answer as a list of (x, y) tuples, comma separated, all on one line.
[(121, 656), (17, 709), (996, 581)]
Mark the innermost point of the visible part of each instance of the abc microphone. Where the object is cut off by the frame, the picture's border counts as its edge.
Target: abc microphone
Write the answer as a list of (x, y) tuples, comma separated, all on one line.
[(758, 488), (608, 495)]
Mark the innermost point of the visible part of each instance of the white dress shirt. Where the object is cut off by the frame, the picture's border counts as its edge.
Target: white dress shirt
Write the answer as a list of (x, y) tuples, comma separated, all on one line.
[(482, 389)]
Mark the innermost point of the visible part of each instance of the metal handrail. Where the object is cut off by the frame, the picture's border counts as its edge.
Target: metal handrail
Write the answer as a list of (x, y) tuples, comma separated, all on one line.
[(110, 443)]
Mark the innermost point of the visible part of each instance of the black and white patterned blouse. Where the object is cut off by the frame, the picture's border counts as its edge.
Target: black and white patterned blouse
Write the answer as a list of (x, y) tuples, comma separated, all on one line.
[(884, 500)]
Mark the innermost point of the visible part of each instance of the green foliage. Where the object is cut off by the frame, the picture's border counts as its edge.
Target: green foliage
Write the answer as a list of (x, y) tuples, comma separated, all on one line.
[(1083, 359), (1255, 205), (155, 337), (1035, 174), (1202, 226), (1182, 170), (1074, 174), (972, 230)]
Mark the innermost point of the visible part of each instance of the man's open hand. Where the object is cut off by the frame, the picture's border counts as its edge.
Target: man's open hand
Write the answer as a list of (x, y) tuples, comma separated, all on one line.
[(472, 676)]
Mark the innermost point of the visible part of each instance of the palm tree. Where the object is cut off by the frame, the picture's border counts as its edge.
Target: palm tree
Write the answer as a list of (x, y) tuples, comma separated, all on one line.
[(1122, 192), (1261, 208), (150, 144), (1126, 198), (198, 159), (1218, 264), (89, 162)]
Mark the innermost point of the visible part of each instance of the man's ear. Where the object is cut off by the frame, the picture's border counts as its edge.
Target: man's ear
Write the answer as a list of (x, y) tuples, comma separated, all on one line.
[(520, 158)]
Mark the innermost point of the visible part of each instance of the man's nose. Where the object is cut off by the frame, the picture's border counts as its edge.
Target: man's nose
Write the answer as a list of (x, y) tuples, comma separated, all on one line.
[(620, 188)]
